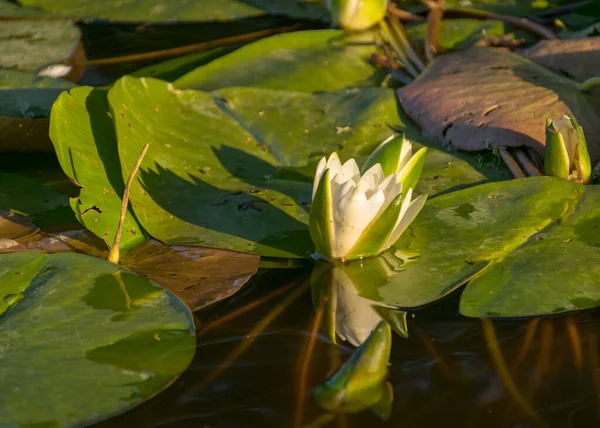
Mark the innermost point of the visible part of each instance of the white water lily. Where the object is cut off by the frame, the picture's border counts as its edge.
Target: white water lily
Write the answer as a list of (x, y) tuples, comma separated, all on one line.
[(354, 216), (566, 155), (348, 315), (357, 15)]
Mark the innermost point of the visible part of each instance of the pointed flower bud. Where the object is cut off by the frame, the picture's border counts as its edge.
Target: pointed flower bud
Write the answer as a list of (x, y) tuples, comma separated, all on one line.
[(355, 216), (566, 154), (356, 15), (361, 382)]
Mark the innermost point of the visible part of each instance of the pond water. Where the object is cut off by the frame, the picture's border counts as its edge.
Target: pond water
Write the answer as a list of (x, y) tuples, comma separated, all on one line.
[(451, 371)]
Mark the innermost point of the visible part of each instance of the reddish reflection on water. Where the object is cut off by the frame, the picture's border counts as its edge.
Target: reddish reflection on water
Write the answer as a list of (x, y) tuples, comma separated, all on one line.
[(451, 371)]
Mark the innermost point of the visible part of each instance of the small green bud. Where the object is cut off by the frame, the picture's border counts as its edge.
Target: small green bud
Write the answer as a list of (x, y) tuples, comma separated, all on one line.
[(356, 15), (566, 155)]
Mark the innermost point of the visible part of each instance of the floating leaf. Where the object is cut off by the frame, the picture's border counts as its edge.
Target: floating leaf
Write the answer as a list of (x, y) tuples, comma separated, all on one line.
[(525, 247), (31, 45), (198, 276), (13, 226), (231, 170), (483, 98), (178, 10), (83, 339), (25, 102), (306, 61), (458, 33), (577, 59), (22, 195), (82, 132)]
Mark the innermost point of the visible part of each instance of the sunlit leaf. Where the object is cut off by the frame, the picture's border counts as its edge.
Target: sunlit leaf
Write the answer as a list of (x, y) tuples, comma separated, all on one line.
[(82, 339)]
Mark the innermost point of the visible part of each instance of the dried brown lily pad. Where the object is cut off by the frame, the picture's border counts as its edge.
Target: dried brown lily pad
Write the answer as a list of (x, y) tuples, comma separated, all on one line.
[(13, 226), (198, 276), (482, 98), (578, 59)]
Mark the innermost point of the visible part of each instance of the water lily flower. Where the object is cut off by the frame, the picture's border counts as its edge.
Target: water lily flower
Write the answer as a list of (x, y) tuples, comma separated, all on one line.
[(566, 155), (355, 216), (356, 15), (346, 314), (361, 382)]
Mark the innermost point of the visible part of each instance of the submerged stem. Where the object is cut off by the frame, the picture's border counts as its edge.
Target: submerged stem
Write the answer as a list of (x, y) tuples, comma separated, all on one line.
[(491, 339), (115, 253), (590, 83)]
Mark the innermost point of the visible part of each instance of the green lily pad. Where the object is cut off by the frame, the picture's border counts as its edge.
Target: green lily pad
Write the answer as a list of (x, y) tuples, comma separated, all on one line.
[(518, 245), (178, 10), (25, 102), (82, 132), (482, 98), (306, 61), (31, 45), (174, 68), (8, 8), (83, 339), (27, 197), (231, 170), (458, 33)]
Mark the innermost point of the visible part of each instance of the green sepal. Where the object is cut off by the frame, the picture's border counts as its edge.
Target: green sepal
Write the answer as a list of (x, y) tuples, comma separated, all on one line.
[(324, 293), (383, 409), (387, 154), (320, 218), (556, 157), (377, 233), (409, 176), (361, 381), (395, 318), (583, 162)]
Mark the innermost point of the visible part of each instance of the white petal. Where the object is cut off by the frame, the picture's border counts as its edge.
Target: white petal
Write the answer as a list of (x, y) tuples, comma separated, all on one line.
[(569, 135), (405, 155), (334, 163), (369, 182), (320, 170), (352, 214), (350, 171), (354, 315)]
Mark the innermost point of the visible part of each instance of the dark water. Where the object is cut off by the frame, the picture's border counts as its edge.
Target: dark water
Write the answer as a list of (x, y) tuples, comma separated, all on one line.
[(444, 375)]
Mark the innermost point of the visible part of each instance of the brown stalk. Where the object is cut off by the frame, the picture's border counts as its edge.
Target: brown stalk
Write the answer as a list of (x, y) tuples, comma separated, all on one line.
[(511, 164), (543, 364), (305, 358), (198, 47), (525, 163), (241, 311), (114, 256), (526, 345), (594, 359), (491, 339), (251, 337), (560, 10), (523, 23), (430, 347), (575, 340), (434, 18), (403, 15)]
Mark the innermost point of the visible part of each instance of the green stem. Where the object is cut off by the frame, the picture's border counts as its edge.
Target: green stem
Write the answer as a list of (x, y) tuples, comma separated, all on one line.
[(592, 82)]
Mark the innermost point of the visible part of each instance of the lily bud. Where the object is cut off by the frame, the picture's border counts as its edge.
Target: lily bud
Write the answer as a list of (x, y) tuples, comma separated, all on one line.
[(353, 216), (395, 155), (566, 155), (356, 15), (346, 314), (361, 382)]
